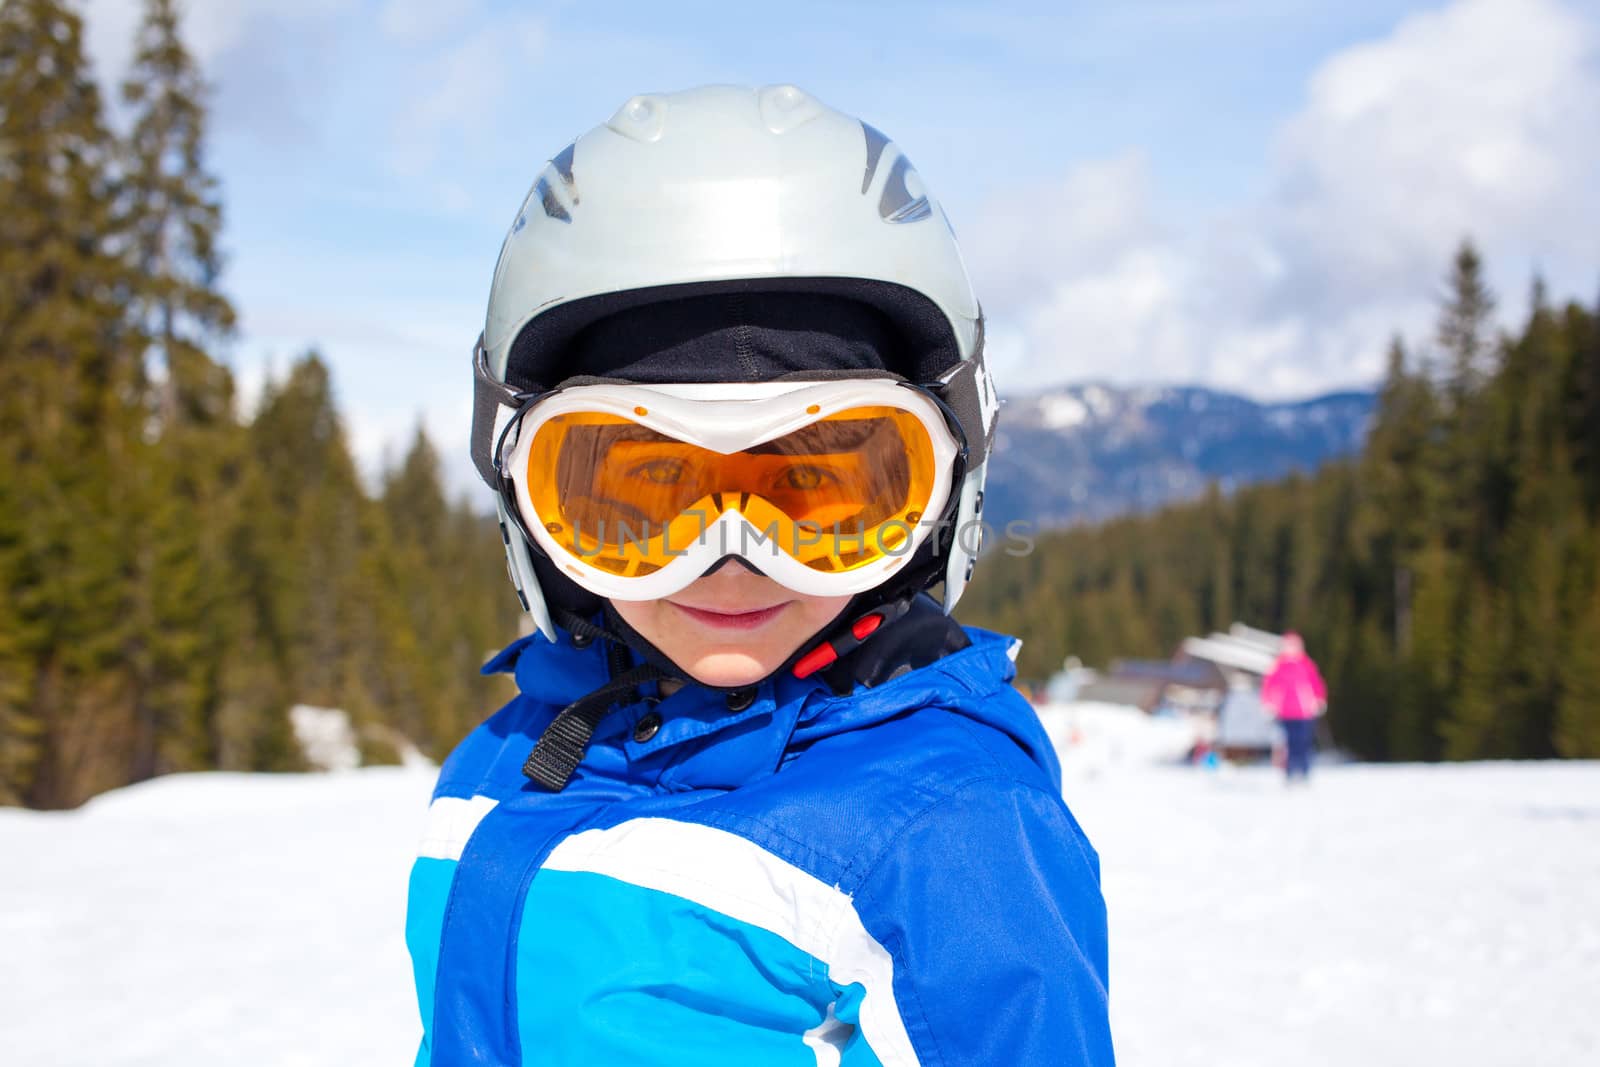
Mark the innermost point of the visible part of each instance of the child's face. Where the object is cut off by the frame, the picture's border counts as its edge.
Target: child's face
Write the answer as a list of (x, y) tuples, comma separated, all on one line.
[(731, 627)]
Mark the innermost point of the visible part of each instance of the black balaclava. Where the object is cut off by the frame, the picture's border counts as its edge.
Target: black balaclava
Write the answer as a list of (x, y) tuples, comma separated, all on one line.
[(733, 337)]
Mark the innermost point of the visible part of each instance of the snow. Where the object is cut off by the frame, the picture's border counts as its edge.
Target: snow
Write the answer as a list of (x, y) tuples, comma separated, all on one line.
[(1060, 411), (1100, 400), (213, 919), (325, 737), (1382, 915), (1094, 739)]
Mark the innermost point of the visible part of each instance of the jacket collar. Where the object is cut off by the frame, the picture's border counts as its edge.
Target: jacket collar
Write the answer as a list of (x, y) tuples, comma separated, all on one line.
[(713, 745)]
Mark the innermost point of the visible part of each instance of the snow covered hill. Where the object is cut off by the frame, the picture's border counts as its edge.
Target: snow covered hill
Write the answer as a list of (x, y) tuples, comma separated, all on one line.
[(1399, 915), (1090, 452)]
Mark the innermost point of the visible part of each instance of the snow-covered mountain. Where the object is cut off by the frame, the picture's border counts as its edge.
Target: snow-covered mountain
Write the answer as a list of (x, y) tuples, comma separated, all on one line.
[(1090, 452)]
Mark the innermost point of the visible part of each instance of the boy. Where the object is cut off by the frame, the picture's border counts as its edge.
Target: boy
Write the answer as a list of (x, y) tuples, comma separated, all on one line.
[(760, 800)]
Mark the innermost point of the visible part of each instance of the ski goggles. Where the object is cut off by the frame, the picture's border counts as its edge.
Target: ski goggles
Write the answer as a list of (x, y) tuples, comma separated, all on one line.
[(635, 491)]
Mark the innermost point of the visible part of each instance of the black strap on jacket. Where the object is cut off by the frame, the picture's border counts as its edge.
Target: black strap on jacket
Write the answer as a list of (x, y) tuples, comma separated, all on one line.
[(562, 745)]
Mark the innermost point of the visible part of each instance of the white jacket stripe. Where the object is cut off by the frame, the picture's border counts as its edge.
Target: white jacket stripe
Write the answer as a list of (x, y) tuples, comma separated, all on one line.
[(450, 822), (740, 879)]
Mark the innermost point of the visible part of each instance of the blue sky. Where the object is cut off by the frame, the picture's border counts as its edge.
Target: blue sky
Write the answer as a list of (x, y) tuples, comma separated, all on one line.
[(1247, 194)]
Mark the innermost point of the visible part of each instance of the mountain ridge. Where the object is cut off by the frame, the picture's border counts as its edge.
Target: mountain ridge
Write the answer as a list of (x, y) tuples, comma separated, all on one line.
[(1091, 451)]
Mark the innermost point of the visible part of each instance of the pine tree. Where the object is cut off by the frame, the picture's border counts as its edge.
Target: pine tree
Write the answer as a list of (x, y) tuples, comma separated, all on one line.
[(419, 578), (1401, 453), (1476, 725), (1582, 393), (1466, 338), (1465, 327), (301, 559), (284, 644), (1577, 719), (21, 727), (67, 427), (174, 218), (1544, 527), (171, 211)]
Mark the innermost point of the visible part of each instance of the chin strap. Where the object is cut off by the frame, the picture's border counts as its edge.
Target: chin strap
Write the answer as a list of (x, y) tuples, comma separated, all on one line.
[(888, 605), (562, 745), (850, 636)]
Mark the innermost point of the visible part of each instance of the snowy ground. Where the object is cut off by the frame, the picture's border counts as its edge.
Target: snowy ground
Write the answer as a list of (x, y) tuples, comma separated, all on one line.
[(1385, 915)]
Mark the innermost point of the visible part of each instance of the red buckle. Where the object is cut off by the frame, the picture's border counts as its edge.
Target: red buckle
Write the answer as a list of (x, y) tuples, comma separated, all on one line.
[(828, 651), (815, 660)]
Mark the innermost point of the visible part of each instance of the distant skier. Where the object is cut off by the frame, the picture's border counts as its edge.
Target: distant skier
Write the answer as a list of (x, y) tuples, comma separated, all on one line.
[(1294, 692)]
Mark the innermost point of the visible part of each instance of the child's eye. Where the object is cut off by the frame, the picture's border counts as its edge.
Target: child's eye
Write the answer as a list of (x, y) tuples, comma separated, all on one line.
[(659, 471), (804, 478)]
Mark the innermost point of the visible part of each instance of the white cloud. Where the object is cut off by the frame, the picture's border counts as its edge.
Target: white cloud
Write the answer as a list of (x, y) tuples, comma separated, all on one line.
[(267, 58), (1480, 119), (1099, 210), (213, 27), (1484, 116), (210, 27)]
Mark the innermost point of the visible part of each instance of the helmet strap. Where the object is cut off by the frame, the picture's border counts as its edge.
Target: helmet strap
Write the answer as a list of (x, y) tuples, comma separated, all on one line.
[(856, 629), (562, 745)]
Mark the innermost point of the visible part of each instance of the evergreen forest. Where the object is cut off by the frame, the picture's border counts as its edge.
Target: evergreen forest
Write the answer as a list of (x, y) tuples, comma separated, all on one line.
[(1447, 579), (176, 572)]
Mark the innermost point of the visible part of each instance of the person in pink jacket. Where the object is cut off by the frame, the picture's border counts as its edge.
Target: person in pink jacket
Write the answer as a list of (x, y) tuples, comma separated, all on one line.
[(1294, 692)]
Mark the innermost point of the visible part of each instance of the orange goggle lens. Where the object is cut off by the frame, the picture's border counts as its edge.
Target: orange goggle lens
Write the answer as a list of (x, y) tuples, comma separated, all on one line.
[(836, 494)]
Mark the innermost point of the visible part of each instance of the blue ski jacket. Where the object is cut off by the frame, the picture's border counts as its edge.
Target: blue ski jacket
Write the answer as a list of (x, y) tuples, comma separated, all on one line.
[(884, 877)]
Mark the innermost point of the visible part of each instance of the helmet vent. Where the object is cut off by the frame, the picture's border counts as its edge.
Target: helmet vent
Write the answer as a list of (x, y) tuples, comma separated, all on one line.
[(903, 200), (563, 164), (547, 197), (876, 143), (641, 119), (786, 107)]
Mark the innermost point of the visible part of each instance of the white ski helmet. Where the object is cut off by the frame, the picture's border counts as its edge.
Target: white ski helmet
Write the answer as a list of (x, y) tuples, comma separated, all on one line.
[(727, 188)]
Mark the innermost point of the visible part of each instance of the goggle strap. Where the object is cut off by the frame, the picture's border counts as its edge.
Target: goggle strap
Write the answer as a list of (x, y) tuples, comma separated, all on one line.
[(494, 404), (961, 391)]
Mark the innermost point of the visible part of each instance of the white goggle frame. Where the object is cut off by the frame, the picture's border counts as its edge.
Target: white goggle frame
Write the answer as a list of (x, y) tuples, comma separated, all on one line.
[(727, 418)]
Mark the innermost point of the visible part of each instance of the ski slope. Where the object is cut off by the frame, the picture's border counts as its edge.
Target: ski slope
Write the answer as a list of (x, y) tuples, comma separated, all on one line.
[(1402, 915)]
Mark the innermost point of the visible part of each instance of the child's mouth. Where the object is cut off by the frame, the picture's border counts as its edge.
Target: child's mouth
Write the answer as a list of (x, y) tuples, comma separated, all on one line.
[(731, 620)]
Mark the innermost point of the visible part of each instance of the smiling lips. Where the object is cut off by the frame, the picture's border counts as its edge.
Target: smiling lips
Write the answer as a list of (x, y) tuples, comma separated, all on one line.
[(731, 620)]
